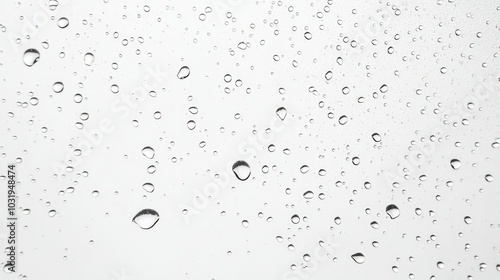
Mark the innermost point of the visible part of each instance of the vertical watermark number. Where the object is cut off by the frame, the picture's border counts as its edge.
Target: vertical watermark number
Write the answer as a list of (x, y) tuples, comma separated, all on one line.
[(10, 250)]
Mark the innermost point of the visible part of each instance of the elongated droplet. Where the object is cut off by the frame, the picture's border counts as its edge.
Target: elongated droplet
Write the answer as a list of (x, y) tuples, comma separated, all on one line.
[(30, 57), (183, 72), (281, 112), (148, 187), (308, 195), (242, 170), (392, 210), (148, 152), (146, 218), (358, 258)]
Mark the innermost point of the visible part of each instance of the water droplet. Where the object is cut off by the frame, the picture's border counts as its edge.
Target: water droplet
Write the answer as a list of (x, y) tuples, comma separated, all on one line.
[(376, 137), (242, 170), (146, 218), (63, 22), (343, 120), (358, 258), (191, 124), (281, 112), (329, 75), (304, 169), (183, 72), (308, 195), (468, 220), (384, 88), (245, 223), (148, 152), (295, 219), (488, 178), (148, 187), (52, 213), (88, 59), (58, 87), (30, 57), (455, 164), (392, 210)]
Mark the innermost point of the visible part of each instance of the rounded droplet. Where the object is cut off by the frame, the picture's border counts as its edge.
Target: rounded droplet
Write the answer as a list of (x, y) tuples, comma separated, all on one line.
[(146, 218), (148, 152), (63, 22), (295, 219), (245, 223), (148, 187), (455, 164), (30, 57), (304, 169), (343, 120), (95, 193), (468, 220), (384, 88), (392, 210), (88, 59), (183, 72), (52, 213), (281, 112), (191, 124), (308, 195), (488, 178), (58, 87), (242, 170), (358, 258), (376, 137), (329, 75)]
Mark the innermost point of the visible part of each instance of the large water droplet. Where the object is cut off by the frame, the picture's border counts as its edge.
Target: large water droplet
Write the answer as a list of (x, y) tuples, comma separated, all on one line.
[(295, 219), (148, 152), (308, 195), (392, 210), (58, 87), (183, 72), (281, 112), (358, 258), (63, 22), (242, 170), (148, 187), (146, 218), (455, 164), (30, 57), (88, 59)]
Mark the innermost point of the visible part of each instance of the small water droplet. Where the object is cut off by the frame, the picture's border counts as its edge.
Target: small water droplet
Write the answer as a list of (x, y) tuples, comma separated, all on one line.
[(146, 218), (52, 213), (183, 72), (30, 57), (242, 170), (58, 87), (191, 124), (468, 220), (148, 187), (358, 258), (308, 195), (455, 164), (63, 22), (148, 152), (392, 210), (281, 112), (376, 137), (295, 219), (88, 59)]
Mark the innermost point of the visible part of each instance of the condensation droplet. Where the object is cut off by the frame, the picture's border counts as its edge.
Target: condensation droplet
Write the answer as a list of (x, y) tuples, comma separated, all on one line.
[(30, 57), (146, 218), (241, 169), (183, 72), (148, 152), (392, 210)]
